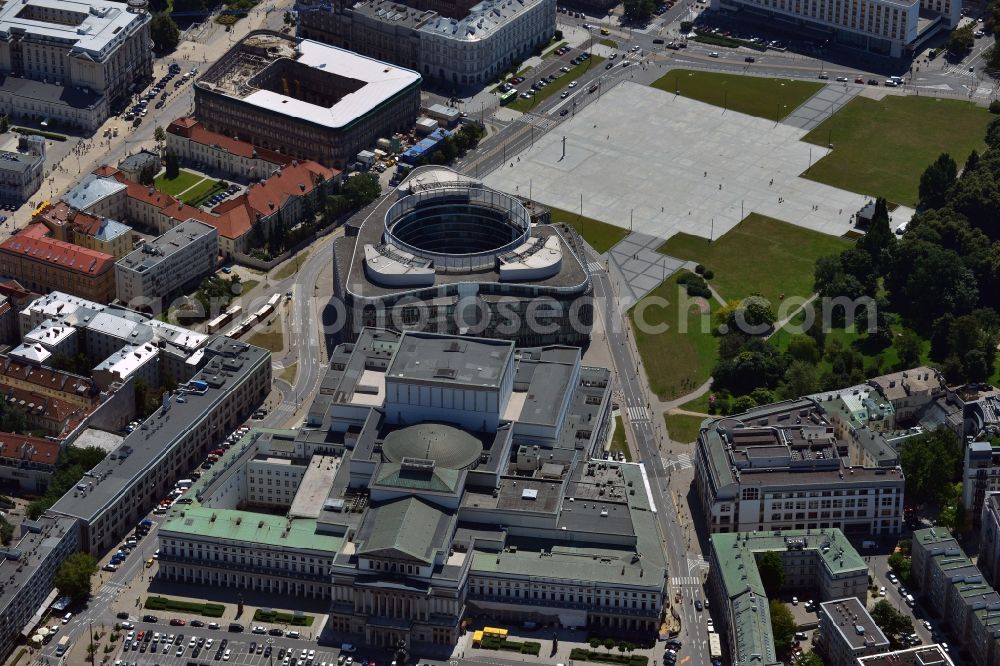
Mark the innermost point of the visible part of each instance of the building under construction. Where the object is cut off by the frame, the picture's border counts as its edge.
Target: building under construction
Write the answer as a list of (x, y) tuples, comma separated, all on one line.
[(305, 99)]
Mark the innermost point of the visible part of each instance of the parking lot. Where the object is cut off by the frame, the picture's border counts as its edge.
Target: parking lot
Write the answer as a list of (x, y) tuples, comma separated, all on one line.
[(238, 645)]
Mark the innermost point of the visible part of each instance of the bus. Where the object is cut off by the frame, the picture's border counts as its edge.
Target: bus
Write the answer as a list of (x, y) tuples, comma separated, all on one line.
[(714, 646), (62, 645), (508, 97)]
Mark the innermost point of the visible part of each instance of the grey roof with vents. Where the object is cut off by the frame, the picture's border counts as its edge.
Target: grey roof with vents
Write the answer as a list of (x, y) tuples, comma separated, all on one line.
[(437, 359)]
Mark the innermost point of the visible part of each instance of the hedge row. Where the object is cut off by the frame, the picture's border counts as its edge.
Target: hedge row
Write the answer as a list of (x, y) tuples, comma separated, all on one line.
[(581, 654), (286, 618), (47, 135), (494, 643), (728, 42), (162, 603)]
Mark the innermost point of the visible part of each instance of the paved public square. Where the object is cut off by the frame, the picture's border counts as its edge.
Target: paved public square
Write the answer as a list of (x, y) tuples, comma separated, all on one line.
[(673, 164)]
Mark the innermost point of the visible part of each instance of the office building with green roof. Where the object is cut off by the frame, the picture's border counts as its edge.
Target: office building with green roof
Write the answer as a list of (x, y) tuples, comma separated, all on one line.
[(821, 561)]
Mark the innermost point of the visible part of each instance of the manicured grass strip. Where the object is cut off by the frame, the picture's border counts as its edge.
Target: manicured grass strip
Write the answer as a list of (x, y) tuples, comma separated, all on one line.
[(609, 42), (494, 643), (279, 617), (273, 340), (42, 133), (599, 235), (201, 192), (676, 362), (291, 266), (618, 441), (521, 104), (881, 147), (165, 604), (753, 95), (173, 187), (248, 285), (683, 428), (288, 374), (759, 255)]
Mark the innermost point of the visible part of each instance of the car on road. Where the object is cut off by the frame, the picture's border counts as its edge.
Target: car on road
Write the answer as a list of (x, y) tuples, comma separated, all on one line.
[(657, 41), (824, 76), (750, 59), (927, 625), (214, 625), (564, 69), (564, 95), (177, 622), (275, 632), (859, 79), (66, 618), (842, 79), (572, 84), (872, 82), (698, 605), (713, 54), (881, 591), (635, 48), (892, 578), (564, 112), (609, 65)]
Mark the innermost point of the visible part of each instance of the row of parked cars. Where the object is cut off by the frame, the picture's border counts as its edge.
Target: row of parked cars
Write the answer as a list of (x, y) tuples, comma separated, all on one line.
[(219, 197)]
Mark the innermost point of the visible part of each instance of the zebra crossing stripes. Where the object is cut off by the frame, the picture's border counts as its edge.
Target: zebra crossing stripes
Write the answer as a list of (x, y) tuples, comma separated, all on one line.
[(680, 461), (595, 266), (679, 581), (637, 414)]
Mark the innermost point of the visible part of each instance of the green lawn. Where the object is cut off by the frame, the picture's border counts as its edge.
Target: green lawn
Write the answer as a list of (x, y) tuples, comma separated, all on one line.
[(699, 404), (288, 374), (683, 428), (676, 362), (609, 42), (618, 441), (880, 148), (760, 254), (184, 180), (269, 339), (599, 235), (248, 285), (754, 95), (521, 104), (202, 192)]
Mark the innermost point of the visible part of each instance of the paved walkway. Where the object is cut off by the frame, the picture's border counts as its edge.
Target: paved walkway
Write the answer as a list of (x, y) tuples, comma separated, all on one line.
[(636, 268), (822, 105)]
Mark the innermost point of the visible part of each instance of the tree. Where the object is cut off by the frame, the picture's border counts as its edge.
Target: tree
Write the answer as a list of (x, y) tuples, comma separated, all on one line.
[(73, 577), (4, 124), (782, 624), (879, 237), (164, 33), (810, 659), (936, 180), (930, 463), (801, 379), (159, 134), (639, 11), (993, 133), (891, 621), (804, 348), (908, 346), (961, 39), (171, 165), (361, 189), (972, 161), (772, 572)]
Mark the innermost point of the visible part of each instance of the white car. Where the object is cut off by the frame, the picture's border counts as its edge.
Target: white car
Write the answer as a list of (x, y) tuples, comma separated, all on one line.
[(209, 642), (713, 54), (226, 654), (572, 84), (259, 630), (128, 625), (927, 625), (67, 617), (881, 591), (795, 601)]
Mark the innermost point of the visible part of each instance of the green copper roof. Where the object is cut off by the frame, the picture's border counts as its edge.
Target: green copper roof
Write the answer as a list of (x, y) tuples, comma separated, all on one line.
[(438, 479), (408, 526), (251, 528)]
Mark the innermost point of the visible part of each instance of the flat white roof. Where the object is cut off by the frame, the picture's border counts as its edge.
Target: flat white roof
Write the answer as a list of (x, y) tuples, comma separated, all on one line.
[(102, 25), (382, 81)]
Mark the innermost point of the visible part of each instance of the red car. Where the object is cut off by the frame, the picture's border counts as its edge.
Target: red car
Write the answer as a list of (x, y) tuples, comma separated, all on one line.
[(176, 622)]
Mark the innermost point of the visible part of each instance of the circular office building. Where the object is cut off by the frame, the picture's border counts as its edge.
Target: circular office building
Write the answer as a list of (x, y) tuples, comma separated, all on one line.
[(445, 445), (457, 225)]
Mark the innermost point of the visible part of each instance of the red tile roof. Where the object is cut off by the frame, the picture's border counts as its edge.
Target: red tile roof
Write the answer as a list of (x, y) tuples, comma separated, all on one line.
[(62, 214), (235, 217), (48, 378), (38, 405), (24, 447), (195, 131), (35, 242), (16, 292)]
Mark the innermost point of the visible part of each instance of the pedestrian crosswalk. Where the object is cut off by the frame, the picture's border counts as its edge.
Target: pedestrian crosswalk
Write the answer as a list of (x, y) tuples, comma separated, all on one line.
[(637, 413), (595, 266), (680, 581), (680, 461)]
